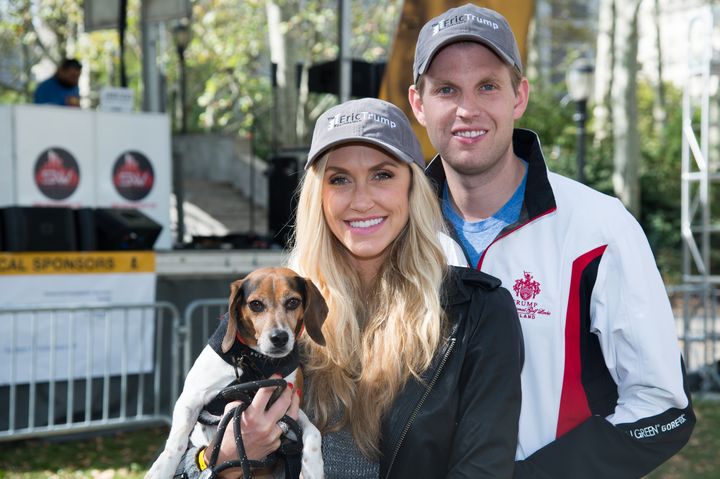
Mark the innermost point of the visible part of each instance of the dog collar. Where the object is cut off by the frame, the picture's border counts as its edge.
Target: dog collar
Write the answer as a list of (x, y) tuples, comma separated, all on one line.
[(256, 366)]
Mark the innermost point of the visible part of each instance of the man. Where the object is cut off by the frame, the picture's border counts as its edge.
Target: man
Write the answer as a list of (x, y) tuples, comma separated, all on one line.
[(603, 381), (61, 88)]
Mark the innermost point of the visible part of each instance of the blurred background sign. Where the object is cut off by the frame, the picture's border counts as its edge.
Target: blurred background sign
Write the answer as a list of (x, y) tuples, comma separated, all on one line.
[(105, 14), (117, 99)]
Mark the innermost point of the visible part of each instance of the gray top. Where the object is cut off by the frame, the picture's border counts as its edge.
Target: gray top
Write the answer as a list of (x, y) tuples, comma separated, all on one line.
[(343, 459)]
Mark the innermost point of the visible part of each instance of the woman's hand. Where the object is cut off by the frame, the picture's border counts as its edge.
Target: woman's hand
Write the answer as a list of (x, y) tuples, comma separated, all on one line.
[(260, 431)]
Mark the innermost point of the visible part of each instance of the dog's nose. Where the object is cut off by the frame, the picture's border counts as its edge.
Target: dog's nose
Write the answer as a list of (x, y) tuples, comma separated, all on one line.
[(279, 338)]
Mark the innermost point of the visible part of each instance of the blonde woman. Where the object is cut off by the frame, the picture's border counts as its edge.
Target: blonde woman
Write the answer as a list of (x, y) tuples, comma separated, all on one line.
[(420, 375)]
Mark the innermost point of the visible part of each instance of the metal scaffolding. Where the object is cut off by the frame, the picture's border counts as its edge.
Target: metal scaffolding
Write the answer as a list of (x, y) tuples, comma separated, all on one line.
[(699, 173)]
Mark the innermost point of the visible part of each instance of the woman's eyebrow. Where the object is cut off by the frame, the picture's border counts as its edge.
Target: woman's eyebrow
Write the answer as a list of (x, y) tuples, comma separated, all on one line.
[(377, 166)]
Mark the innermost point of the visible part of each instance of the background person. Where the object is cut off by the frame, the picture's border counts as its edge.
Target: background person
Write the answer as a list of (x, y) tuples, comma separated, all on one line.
[(603, 381), (420, 373), (61, 88)]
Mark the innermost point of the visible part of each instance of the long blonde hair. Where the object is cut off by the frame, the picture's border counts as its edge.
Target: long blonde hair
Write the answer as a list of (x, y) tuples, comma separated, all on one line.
[(375, 340)]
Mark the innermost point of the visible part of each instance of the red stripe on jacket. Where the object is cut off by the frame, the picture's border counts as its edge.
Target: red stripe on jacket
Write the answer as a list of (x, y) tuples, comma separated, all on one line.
[(574, 407)]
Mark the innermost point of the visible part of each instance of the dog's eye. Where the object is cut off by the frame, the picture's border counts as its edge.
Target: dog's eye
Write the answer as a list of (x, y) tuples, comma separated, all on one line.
[(292, 303), (256, 306)]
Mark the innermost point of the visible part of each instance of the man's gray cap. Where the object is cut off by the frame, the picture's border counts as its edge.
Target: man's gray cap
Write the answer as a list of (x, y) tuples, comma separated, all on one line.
[(366, 120), (466, 23)]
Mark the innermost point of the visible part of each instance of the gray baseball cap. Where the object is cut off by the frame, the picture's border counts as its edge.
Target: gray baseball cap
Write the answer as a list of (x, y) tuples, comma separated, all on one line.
[(366, 120), (466, 23)]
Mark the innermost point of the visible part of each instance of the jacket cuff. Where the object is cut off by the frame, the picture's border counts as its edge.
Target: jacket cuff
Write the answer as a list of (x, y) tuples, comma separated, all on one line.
[(188, 468)]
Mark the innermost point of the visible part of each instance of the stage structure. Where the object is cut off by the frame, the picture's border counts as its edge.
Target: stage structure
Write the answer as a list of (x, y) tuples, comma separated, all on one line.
[(700, 171)]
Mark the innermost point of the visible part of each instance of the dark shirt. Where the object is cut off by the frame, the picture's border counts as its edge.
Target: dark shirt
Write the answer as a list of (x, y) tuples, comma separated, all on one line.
[(52, 92)]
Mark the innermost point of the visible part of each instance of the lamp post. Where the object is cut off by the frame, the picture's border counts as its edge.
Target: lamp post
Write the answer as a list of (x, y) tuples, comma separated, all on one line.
[(181, 36), (579, 80)]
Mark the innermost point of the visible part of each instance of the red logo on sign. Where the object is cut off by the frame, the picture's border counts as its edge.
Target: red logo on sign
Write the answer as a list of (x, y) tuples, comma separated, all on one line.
[(57, 174), (133, 176)]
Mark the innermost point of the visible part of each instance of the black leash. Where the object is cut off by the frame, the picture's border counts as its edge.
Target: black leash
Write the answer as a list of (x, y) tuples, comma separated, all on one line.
[(242, 392)]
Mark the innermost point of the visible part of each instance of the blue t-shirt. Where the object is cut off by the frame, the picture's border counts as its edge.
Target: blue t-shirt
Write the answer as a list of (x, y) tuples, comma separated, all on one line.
[(476, 236), (51, 91)]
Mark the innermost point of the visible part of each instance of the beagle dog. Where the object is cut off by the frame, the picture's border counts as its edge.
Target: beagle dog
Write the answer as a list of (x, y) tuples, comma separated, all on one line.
[(267, 311)]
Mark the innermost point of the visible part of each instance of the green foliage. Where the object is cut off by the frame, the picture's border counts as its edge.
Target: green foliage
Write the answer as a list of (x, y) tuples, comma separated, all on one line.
[(660, 168), (228, 67), (32, 31)]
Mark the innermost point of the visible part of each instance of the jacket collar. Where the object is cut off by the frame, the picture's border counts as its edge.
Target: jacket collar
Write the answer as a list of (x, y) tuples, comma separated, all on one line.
[(256, 366), (539, 198), (455, 287)]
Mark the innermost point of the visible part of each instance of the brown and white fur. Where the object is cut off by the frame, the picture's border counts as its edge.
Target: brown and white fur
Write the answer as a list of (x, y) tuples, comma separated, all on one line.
[(267, 311)]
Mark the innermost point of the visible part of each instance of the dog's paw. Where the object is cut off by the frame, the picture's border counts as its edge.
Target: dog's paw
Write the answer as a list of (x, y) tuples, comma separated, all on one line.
[(312, 461), (153, 473), (161, 469), (311, 469)]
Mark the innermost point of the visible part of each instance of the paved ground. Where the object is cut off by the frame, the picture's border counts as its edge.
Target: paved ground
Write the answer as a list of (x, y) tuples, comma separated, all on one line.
[(226, 205)]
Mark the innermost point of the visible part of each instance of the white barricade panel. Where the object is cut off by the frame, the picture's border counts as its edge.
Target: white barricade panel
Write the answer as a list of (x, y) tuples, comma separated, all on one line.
[(54, 156), (134, 166), (97, 342), (7, 183)]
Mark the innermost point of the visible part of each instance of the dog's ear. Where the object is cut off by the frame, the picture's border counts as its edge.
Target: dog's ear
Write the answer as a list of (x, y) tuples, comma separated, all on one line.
[(316, 311), (236, 296)]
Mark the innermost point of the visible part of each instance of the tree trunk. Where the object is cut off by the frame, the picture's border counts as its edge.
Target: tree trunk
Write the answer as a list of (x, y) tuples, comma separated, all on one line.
[(603, 70), (626, 141), (283, 54), (301, 124), (659, 107)]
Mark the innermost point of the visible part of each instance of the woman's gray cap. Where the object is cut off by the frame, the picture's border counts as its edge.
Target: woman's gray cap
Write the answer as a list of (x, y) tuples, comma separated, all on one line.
[(366, 120), (466, 23)]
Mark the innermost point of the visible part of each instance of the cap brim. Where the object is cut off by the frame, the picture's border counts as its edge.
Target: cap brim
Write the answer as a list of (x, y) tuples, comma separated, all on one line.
[(404, 157), (459, 38)]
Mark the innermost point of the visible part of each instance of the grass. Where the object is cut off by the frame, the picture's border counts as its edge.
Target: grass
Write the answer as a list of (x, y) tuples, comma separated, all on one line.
[(699, 459), (127, 455), (122, 455)]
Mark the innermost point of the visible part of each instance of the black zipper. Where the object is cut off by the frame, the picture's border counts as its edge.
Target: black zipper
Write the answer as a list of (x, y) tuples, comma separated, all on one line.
[(451, 345)]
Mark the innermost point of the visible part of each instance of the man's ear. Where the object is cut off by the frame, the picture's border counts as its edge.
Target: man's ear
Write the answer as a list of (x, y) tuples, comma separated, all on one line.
[(522, 96), (236, 298), (416, 104), (316, 311)]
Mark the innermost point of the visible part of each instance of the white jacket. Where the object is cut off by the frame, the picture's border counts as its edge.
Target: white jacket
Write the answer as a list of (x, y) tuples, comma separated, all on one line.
[(603, 381)]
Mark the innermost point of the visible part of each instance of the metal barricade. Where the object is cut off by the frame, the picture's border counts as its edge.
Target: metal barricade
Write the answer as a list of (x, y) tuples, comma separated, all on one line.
[(200, 319), (82, 368), (698, 327)]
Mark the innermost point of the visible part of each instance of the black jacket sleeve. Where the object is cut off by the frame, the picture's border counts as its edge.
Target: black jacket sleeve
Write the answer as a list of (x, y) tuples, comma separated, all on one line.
[(489, 409), (598, 450)]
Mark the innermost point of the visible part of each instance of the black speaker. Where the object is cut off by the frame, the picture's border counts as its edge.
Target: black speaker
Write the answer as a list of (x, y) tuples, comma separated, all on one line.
[(2, 231), (38, 229), (125, 229), (85, 229), (283, 177)]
